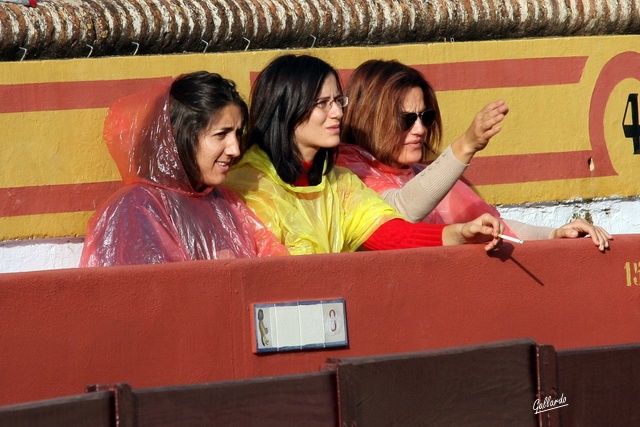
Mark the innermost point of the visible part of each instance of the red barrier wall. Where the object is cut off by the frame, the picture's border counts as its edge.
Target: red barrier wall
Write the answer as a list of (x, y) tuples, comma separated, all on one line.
[(190, 322)]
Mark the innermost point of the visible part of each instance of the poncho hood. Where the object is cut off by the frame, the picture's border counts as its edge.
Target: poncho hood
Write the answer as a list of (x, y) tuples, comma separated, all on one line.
[(140, 139), (157, 216)]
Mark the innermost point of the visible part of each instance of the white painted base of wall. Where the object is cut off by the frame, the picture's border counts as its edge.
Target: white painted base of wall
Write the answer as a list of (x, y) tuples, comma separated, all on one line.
[(44, 254), (616, 215)]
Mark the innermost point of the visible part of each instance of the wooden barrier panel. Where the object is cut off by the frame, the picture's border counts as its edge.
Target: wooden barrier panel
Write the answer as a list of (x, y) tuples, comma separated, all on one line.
[(601, 386), (95, 410), (490, 384), (188, 323), (302, 400)]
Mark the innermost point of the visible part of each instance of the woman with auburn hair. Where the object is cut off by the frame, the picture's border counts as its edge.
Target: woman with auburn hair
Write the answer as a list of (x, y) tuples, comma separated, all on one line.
[(287, 174), (390, 128), (173, 145)]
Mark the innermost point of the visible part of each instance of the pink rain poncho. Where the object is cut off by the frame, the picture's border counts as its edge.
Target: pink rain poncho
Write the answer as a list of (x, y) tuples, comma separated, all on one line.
[(461, 204), (157, 216)]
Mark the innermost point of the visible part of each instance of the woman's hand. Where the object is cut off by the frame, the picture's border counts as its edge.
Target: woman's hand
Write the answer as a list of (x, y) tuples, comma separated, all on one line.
[(482, 229), (485, 125), (580, 228)]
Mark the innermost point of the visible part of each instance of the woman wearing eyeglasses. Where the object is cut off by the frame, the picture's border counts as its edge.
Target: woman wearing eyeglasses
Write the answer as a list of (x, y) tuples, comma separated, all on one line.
[(287, 174), (393, 122)]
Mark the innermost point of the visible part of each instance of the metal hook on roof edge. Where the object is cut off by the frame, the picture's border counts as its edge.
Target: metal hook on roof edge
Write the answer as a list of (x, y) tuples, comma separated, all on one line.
[(206, 45)]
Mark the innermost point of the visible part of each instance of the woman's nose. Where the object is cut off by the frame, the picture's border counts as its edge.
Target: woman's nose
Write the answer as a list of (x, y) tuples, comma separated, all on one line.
[(335, 111), (233, 147), (418, 127)]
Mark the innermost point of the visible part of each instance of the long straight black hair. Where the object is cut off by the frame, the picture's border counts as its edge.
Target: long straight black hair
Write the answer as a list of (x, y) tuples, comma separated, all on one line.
[(281, 99)]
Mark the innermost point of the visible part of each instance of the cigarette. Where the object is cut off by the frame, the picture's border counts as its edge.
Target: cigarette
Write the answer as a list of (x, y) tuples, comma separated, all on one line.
[(510, 239)]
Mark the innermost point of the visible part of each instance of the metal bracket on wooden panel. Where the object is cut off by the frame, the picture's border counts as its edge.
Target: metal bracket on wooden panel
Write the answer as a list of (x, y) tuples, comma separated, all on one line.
[(122, 401)]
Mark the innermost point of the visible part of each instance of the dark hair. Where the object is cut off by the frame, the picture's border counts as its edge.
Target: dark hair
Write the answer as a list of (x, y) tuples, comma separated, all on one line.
[(372, 119), (282, 98), (194, 100)]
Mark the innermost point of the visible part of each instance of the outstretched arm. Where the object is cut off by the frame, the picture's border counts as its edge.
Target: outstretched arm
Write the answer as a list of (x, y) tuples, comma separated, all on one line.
[(526, 231), (418, 197), (400, 234), (577, 228)]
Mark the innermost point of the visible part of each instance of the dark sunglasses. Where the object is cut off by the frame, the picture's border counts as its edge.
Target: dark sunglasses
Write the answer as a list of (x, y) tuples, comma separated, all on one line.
[(428, 117)]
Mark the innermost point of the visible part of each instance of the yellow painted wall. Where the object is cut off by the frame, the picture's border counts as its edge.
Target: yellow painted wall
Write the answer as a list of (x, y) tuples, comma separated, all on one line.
[(48, 148)]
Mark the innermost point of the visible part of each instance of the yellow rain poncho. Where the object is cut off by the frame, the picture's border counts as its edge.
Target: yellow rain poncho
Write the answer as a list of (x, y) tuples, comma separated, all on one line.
[(338, 215)]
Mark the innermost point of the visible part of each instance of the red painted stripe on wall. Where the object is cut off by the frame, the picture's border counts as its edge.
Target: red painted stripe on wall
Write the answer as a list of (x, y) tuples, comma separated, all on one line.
[(515, 168), (47, 199), (496, 74), (534, 167), (504, 73), (58, 96)]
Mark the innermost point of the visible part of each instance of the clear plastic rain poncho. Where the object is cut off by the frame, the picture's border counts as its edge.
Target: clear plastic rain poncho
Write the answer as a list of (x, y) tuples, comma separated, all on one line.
[(157, 216), (337, 215), (461, 204)]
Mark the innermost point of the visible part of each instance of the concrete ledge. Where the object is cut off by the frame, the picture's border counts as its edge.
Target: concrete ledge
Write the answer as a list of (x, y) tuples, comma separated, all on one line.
[(81, 28), (190, 322)]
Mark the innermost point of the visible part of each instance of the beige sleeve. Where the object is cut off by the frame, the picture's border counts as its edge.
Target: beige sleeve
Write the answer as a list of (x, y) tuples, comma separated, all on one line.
[(529, 232), (418, 197)]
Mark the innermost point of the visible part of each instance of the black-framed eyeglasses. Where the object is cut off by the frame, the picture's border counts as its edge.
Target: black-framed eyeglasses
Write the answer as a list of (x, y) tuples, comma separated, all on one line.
[(428, 118), (326, 103)]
